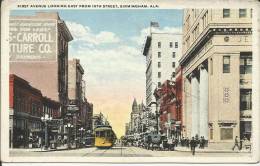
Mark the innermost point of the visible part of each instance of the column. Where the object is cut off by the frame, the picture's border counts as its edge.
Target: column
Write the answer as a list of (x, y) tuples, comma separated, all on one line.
[(194, 105), (203, 113)]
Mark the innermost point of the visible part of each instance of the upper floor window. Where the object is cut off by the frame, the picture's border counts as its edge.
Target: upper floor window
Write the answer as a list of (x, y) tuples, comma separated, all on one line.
[(173, 64), (170, 44), (159, 74), (159, 64), (176, 44), (159, 84), (245, 64), (159, 44), (251, 13), (242, 13), (226, 13), (173, 54), (245, 99), (226, 64), (173, 74), (159, 54)]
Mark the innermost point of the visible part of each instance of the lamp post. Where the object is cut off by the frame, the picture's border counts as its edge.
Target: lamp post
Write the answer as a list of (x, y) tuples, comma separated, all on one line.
[(81, 134), (69, 126), (45, 119)]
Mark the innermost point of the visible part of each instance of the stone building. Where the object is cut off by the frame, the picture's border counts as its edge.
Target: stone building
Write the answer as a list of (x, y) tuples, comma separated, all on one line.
[(39, 53), (217, 79), (162, 51)]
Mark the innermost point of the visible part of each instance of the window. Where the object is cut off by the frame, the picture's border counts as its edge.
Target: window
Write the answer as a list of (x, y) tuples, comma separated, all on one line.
[(159, 74), (170, 44), (159, 83), (173, 54), (226, 64), (173, 74), (159, 54), (211, 134), (159, 64), (242, 13), (211, 66), (226, 13), (226, 133), (176, 44), (173, 64), (245, 64), (246, 99), (251, 13), (159, 44)]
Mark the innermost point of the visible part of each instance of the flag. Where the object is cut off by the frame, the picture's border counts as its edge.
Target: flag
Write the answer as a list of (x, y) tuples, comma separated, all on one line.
[(154, 24)]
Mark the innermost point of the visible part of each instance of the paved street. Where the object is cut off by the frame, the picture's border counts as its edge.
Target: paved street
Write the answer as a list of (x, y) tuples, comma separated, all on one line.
[(119, 152)]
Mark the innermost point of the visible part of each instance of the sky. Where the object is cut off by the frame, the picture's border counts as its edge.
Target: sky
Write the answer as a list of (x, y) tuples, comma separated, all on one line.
[(109, 45)]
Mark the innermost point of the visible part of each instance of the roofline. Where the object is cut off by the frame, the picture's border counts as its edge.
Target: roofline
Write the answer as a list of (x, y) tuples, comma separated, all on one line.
[(147, 45)]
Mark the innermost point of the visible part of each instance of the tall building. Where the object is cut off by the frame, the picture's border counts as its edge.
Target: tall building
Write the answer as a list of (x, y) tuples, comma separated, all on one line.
[(39, 53), (217, 73), (162, 51)]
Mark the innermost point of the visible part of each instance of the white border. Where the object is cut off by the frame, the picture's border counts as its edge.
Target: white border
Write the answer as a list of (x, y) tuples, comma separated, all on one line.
[(164, 4)]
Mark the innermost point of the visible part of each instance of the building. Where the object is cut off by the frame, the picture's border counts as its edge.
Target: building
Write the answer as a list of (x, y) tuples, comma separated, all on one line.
[(162, 51), (39, 53), (87, 116), (76, 95), (217, 73), (25, 111), (27, 106)]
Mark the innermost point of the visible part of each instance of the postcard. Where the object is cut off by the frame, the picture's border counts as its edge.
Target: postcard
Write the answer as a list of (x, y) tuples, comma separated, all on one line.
[(130, 81)]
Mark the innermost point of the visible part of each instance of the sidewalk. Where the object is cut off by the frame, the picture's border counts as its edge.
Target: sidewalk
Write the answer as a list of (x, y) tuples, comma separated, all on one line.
[(211, 150), (60, 148)]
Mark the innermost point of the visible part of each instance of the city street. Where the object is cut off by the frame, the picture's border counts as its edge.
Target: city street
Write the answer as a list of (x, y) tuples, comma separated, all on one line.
[(119, 152)]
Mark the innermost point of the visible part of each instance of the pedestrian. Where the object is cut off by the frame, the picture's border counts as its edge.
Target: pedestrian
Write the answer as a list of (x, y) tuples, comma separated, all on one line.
[(200, 143), (203, 142), (187, 142), (193, 144), (236, 144), (176, 142)]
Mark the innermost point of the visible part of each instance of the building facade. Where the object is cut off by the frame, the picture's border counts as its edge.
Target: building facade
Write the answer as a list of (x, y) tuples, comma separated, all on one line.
[(39, 53), (27, 106), (162, 51), (217, 79), (170, 110)]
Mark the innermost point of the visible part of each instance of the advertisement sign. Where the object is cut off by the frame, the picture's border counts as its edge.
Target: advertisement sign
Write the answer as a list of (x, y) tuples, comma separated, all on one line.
[(32, 40)]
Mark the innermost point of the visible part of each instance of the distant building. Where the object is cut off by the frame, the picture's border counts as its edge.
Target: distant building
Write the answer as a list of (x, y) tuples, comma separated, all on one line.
[(76, 94), (162, 51), (136, 125), (217, 73), (39, 53)]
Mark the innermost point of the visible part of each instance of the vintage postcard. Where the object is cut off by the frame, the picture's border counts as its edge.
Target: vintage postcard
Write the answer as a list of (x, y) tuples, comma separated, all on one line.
[(130, 81)]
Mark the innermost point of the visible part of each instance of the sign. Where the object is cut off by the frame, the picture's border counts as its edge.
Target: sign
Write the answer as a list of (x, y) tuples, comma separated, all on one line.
[(32, 40), (72, 108)]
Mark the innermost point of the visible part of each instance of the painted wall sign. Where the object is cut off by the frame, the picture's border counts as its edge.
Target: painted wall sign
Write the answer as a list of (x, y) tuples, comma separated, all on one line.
[(31, 40)]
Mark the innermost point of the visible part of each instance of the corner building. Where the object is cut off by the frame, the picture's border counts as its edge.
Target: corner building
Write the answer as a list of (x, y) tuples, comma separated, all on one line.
[(217, 73), (39, 53)]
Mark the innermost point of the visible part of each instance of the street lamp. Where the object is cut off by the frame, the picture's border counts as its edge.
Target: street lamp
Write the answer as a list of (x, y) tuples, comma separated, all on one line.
[(45, 119), (69, 126), (81, 134)]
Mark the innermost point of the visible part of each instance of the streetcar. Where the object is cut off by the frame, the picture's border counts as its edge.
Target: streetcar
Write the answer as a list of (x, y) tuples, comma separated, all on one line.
[(104, 136)]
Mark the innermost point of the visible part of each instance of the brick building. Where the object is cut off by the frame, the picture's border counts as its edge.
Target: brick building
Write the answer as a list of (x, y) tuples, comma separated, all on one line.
[(170, 119), (26, 107)]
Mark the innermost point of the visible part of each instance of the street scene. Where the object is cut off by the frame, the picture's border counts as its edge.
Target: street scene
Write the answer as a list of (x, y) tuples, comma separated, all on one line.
[(130, 83)]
